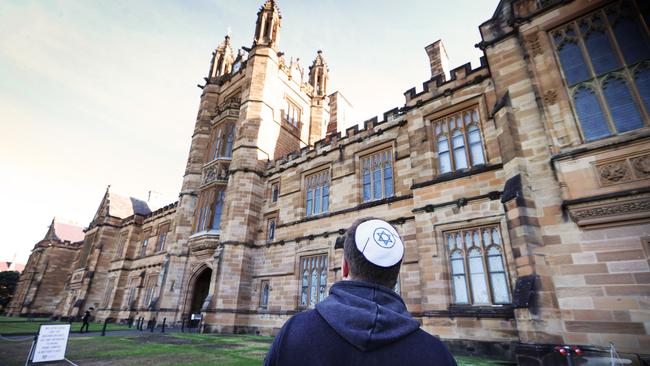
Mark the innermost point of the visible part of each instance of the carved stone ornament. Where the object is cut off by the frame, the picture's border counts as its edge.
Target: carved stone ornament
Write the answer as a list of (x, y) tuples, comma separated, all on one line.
[(533, 45), (614, 172), (213, 173), (550, 97), (606, 213), (641, 166), (203, 246)]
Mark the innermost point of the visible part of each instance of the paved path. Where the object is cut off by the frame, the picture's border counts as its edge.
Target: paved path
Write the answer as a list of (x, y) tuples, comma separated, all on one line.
[(74, 334)]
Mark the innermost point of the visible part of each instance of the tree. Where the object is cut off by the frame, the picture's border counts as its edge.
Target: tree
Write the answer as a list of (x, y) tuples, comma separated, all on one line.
[(8, 283)]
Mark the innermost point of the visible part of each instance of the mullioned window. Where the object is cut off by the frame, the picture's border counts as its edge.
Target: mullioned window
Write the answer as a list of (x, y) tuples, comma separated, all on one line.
[(605, 62)]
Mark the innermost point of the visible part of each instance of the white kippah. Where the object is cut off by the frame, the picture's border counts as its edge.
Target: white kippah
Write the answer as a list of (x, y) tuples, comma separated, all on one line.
[(378, 241)]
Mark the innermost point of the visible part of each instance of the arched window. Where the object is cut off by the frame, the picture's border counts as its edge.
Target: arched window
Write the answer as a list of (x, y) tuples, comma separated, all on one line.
[(461, 131), (459, 278), (642, 80), (323, 280), (367, 189), (475, 144), (314, 280), (624, 111), (313, 292), (304, 286), (377, 176), (478, 272), (270, 229), (318, 192), (600, 56), (477, 277), (218, 209), (592, 119), (230, 137), (264, 296), (458, 145), (443, 154), (216, 145)]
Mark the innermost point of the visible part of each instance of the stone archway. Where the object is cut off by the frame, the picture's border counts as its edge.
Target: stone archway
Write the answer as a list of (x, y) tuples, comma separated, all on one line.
[(200, 290)]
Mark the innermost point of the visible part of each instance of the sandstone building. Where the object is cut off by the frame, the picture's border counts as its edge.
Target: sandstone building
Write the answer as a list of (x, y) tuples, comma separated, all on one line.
[(520, 187)]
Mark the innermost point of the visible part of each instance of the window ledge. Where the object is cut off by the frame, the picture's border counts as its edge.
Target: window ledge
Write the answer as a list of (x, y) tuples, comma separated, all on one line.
[(206, 233), (470, 311), (458, 174), (485, 311), (608, 142)]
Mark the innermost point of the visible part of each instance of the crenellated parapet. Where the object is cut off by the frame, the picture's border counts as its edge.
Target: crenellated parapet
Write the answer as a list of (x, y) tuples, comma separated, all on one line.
[(460, 77)]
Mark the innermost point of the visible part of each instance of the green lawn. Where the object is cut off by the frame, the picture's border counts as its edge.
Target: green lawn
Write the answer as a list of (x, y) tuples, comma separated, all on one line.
[(16, 325), (182, 349)]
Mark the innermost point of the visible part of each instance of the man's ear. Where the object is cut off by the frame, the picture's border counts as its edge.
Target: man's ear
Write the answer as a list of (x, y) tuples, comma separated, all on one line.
[(345, 268)]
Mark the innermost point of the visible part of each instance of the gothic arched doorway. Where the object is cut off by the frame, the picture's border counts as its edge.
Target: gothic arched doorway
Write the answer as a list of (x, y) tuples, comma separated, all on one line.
[(200, 290)]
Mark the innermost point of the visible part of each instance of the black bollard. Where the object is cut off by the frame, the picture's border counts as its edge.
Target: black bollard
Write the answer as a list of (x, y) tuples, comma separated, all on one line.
[(104, 327), (163, 325), (183, 325)]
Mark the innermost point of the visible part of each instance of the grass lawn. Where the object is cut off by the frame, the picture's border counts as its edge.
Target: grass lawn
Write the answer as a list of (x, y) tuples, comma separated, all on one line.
[(16, 325), (146, 349)]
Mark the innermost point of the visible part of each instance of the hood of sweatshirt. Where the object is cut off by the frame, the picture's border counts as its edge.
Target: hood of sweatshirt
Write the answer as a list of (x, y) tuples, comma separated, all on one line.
[(366, 315)]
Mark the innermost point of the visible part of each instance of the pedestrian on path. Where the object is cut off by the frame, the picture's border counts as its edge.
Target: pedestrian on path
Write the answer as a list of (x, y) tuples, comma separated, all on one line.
[(85, 321)]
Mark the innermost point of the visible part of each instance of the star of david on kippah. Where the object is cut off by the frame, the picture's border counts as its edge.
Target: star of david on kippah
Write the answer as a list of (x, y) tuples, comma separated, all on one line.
[(384, 238), (379, 242)]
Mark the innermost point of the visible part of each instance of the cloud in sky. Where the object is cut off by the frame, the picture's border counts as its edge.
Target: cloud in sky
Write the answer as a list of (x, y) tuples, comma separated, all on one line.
[(104, 92)]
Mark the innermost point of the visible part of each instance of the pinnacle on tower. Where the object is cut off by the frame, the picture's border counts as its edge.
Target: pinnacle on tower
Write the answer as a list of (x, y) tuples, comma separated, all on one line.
[(267, 26), (222, 59), (318, 75)]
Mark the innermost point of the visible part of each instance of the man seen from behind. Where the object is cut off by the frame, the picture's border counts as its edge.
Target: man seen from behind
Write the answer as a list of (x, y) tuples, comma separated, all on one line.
[(362, 321)]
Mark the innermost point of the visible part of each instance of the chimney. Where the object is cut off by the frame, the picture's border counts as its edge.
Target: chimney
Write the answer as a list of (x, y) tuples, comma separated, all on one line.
[(438, 59)]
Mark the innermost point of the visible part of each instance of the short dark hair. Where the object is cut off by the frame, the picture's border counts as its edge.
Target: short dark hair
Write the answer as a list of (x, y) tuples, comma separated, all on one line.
[(361, 268)]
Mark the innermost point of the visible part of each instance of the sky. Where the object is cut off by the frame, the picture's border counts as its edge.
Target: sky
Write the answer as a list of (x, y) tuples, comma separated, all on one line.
[(98, 93)]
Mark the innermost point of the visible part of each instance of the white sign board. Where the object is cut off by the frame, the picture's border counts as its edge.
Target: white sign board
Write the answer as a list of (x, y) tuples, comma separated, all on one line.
[(51, 343), (196, 316)]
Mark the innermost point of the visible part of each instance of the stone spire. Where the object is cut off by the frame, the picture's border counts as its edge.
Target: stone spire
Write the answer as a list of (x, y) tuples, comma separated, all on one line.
[(222, 59), (267, 27), (318, 75)]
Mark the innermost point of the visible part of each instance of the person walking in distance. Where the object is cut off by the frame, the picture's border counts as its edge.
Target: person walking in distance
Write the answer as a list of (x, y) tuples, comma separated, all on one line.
[(85, 319), (362, 321)]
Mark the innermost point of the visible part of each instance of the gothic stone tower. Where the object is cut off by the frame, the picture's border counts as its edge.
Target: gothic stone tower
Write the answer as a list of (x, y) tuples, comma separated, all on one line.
[(255, 107)]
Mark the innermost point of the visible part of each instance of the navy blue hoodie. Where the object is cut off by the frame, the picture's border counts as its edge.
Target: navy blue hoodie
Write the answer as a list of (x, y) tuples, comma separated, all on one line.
[(359, 323)]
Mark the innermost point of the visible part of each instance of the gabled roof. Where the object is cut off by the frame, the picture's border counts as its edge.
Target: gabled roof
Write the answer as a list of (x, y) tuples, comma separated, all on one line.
[(61, 230), (11, 266), (119, 206), (123, 206), (68, 232)]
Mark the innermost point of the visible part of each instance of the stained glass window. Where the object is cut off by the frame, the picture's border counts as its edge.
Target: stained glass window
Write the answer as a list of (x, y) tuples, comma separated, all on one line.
[(604, 58)]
